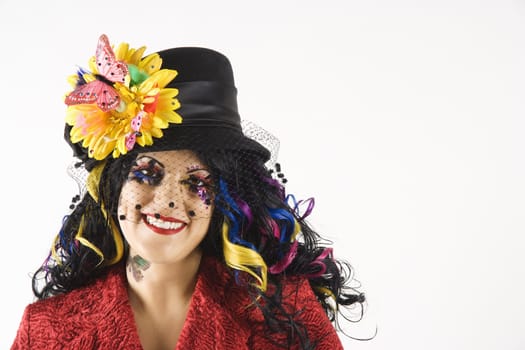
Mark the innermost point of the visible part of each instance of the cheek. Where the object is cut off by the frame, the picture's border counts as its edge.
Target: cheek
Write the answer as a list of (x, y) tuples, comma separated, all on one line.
[(198, 204), (132, 198)]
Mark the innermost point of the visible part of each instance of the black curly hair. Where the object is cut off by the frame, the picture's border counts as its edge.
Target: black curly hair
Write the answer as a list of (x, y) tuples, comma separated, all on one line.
[(75, 265)]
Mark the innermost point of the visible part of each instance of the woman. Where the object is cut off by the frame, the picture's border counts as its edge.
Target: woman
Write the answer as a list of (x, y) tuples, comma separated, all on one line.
[(182, 236)]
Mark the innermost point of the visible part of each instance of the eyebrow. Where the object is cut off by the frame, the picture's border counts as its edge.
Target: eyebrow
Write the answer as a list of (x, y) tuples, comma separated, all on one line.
[(196, 167), (150, 160)]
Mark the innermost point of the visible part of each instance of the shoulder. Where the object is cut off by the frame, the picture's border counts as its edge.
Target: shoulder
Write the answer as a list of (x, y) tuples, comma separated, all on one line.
[(230, 303), (78, 318), (90, 301), (299, 299)]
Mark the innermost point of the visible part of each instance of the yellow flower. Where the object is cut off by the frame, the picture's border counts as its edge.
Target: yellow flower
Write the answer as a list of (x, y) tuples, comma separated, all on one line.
[(95, 128), (144, 96), (133, 57)]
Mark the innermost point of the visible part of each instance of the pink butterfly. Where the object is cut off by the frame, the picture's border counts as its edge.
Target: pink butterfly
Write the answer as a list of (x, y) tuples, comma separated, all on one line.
[(101, 90), (135, 126)]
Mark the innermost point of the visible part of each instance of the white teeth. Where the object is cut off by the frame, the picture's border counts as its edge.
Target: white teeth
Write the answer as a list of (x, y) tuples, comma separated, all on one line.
[(166, 225)]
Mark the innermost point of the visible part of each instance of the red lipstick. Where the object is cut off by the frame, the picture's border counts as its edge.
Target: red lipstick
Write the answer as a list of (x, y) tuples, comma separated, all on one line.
[(163, 225)]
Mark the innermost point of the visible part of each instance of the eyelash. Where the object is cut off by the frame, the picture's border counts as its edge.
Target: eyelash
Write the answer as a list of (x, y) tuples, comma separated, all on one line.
[(200, 187), (148, 174), (196, 182), (152, 176)]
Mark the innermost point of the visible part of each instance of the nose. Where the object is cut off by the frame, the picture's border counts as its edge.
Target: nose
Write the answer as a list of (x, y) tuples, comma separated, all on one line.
[(175, 197), (170, 194)]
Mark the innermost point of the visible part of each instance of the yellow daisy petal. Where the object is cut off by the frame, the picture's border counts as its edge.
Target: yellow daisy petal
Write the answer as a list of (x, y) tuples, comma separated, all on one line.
[(157, 133), (122, 51), (104, 149), (168, 93), (162, 78), (160, 123), (137, 56), (121, 146), (167, 100), (170, 116), (147, 137), (151, 63)]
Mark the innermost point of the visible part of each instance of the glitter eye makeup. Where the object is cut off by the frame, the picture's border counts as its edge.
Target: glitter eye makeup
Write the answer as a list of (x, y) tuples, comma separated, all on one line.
[(147, 170), (199, 182)]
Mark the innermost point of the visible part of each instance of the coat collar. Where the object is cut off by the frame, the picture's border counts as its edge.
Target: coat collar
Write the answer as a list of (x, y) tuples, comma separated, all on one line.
[(215, 301)]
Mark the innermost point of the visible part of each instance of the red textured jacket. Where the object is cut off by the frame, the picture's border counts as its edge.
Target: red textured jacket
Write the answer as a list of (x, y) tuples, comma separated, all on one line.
[(99, 316)]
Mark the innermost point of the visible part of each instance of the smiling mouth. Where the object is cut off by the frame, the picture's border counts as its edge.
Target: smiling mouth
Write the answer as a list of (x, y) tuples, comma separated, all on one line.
[(163, 225)]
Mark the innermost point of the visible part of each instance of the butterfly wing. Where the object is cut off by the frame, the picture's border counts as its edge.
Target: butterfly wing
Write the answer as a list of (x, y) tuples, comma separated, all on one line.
[(130, 141), (107, 65), (131, 138), (97, 91), (84, 93), (137, 122)]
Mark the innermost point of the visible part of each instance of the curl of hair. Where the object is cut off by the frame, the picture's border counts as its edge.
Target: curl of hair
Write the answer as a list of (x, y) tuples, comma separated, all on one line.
[(70, 264), (253, 208)]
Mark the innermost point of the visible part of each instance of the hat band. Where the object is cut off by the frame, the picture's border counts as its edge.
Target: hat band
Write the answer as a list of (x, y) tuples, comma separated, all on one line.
[(207, 103)]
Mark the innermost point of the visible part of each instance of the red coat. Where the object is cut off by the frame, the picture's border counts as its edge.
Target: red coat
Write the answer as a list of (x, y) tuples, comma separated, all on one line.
[(99, 316)]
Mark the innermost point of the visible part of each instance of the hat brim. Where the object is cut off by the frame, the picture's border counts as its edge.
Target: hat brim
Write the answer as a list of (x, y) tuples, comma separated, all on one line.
[(199, 137)]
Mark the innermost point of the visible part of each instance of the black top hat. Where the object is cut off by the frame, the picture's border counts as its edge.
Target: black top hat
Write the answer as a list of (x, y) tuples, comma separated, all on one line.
[(208, 99), (208, 106)]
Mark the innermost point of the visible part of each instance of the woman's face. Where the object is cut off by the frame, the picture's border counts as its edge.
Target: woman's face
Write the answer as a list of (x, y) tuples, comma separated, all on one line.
[(165, 205)]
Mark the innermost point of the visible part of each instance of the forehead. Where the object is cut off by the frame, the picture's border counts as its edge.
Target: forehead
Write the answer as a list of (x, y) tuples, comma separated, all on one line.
[(175, 158)]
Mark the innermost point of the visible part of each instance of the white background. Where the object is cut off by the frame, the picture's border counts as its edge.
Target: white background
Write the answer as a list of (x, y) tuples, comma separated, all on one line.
[(404, 119)]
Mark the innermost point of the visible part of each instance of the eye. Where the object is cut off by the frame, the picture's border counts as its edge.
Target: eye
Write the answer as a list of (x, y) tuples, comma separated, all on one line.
[(147, 170), (201, 186), (196, 183)]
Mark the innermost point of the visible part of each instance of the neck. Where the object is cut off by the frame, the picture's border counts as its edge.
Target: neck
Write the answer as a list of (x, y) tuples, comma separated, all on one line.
[(159, 285)]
